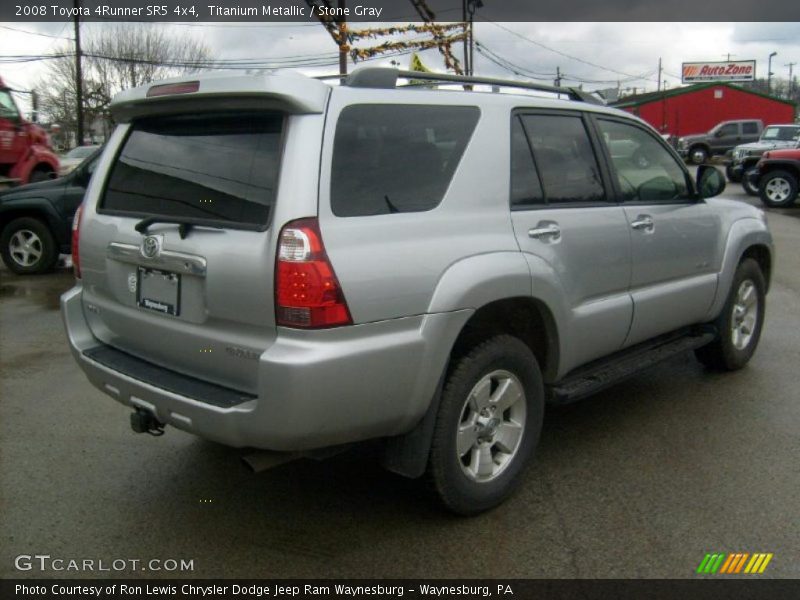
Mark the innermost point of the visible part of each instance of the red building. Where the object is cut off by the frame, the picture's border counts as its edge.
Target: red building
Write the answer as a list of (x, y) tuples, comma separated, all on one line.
[(697, 108)]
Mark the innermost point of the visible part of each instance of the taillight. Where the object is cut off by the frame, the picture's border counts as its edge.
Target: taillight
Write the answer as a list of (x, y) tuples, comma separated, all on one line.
[(76, 238), (307, 293)]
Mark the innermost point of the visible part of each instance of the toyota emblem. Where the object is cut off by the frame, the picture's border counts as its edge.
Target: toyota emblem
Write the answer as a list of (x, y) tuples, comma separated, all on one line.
[(151, 246)]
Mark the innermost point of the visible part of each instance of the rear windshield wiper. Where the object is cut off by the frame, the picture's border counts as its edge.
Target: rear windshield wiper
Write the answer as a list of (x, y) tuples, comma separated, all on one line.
[(184, 225)]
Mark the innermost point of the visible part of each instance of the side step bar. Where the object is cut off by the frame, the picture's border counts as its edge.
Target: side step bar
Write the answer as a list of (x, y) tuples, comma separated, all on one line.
[(605, 372)]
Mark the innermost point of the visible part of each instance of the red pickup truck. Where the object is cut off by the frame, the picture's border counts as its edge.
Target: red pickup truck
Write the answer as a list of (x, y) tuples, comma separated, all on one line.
[(777, 175), (25, 152)]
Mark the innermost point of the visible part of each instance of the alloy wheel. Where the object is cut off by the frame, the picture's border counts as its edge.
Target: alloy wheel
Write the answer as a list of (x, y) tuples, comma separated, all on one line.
[(25, 248), (491, 426)]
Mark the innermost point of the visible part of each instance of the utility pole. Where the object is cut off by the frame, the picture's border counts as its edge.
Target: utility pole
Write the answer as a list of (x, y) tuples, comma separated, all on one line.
[(78, 74), (770, 73), (728, 57), (342, 40), (472, 6), (791, 81), (466, 36), (659, 73), (35, 106), (558, 77)]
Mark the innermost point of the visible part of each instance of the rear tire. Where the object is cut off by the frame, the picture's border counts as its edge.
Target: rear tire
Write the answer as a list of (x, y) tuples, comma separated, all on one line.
[(698, 155), (740, 322), (488, 424), (28, 247), (778, 189)]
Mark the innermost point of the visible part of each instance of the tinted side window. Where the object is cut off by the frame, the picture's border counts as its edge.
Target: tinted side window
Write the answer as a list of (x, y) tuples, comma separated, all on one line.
[(391, 158), (646, 171), (8, 110), (730, 129), (750, 128), (565, 159), (212, 166), (526, 190)]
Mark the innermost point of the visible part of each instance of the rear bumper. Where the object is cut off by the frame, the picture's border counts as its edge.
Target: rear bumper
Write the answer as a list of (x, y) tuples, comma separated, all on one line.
[(316, 388)]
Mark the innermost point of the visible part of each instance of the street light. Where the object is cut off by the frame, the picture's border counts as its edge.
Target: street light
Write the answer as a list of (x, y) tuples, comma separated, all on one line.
[(770, 73)]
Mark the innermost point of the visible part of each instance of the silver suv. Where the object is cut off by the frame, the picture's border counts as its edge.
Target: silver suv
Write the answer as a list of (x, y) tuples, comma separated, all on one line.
[(278, 263)]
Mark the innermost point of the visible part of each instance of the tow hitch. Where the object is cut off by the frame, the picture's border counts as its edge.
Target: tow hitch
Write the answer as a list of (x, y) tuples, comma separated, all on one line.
[(144, 422)]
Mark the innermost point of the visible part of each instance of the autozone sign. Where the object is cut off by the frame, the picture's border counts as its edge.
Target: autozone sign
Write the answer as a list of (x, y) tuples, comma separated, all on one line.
[(740, 70)]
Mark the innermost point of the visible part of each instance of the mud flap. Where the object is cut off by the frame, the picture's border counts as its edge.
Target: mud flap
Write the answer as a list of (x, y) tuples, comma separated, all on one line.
[(407, 454)]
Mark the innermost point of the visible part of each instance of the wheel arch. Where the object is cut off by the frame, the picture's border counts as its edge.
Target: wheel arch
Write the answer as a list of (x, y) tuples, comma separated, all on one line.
[(520, 314), (526, 318), (704, 145), (39, 209), (762, 254), (793, 166), (748, 238)]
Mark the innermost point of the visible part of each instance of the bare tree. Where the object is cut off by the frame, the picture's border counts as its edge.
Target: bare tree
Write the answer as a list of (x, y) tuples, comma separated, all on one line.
[(115, 58)]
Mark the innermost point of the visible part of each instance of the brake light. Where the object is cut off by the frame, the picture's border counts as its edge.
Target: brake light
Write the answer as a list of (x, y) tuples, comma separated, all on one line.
[(76, 238), (307, 292), (168, 89)]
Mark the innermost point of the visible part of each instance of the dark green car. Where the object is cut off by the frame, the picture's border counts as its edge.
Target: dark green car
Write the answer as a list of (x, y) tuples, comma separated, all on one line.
[(36, 219)]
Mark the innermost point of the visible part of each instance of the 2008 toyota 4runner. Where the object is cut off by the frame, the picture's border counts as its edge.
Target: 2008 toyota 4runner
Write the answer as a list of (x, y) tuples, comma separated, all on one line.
[(273, 262)]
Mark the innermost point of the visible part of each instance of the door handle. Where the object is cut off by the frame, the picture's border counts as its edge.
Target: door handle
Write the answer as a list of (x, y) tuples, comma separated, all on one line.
[(644, 222), (545, 230)]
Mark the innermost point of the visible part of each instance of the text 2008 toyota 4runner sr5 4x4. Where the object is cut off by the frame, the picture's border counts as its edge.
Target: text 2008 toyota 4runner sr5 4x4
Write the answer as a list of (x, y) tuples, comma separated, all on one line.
[(272, 262)]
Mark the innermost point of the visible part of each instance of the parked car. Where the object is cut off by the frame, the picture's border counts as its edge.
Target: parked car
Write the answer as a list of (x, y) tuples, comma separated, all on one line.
[(75, 157), (274, 263), (722, 138), (776, 176), (746, 156), (36, 219)]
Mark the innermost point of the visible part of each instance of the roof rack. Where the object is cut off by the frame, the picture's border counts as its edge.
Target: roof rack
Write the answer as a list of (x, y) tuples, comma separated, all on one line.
[(386, 78)]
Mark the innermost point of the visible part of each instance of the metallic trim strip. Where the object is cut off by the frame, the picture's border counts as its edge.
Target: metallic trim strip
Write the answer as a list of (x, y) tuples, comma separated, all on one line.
[(176, 262)]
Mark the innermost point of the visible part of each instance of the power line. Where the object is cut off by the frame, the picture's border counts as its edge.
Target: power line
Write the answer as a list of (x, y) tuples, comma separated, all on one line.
[(525, 72), (47, 35), (559, 52)]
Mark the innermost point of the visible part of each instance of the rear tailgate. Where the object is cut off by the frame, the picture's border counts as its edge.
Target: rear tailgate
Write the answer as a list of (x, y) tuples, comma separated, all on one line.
[(177, 240)]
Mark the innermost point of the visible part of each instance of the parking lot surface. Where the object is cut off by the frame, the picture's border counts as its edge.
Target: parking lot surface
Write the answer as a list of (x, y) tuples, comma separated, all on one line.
[(639, 481)]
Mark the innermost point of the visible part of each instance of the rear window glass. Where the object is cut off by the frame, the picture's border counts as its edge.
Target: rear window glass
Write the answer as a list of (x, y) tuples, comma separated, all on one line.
[(218, 167), (390, 158)]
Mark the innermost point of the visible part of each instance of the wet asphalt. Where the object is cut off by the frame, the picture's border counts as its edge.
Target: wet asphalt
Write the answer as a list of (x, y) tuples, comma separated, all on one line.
[(639, 481)]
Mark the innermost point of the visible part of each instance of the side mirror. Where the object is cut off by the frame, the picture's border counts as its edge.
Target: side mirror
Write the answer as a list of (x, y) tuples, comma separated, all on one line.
[(710, 182), (719, 133)]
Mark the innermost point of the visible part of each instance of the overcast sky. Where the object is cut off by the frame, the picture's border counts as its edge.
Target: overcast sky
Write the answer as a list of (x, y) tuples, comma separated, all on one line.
[(627, 52)]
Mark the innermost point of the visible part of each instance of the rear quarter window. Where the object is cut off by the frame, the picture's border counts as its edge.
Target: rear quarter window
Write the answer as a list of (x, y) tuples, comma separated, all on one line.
[(219, 167), (395, 158)]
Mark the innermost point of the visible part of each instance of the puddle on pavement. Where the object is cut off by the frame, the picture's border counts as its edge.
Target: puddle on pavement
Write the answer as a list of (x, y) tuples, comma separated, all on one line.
[(42, 290)]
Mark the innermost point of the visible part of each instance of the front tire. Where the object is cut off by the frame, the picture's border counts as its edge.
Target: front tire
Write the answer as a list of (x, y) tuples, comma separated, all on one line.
[(740, 323), (732, 177), (489, 421), (28, 247), (778, 189), (750, 188)]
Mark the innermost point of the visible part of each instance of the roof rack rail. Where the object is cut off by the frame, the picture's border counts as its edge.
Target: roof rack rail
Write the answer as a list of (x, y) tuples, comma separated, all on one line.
[(386, 77)]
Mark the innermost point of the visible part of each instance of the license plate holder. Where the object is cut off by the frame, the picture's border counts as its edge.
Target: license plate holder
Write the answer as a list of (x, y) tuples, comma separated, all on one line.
[(158, 290)]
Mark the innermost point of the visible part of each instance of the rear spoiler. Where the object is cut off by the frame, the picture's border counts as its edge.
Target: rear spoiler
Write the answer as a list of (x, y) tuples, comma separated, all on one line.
[(289, 92)]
